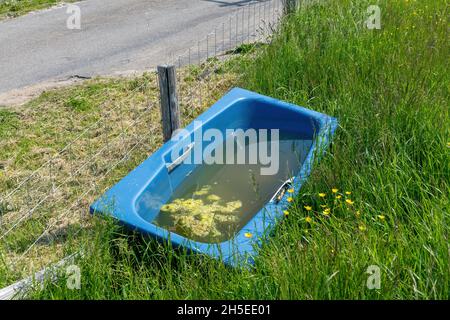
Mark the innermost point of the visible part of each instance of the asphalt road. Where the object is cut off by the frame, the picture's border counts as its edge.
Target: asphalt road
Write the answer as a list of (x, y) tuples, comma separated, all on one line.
[(115, 36)]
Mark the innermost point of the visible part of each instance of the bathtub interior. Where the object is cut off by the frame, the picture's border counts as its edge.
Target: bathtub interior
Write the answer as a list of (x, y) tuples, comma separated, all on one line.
[(235, 185)]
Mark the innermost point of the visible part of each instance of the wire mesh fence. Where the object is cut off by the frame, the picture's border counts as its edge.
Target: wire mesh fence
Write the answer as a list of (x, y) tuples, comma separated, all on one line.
[(45, 206)]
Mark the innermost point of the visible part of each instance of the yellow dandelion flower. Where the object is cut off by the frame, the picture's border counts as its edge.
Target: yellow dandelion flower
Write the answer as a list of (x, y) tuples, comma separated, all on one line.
[(248, 235), (286, 213), (327, 210), (291, 190), (308, 219), (326, 213), (381, 217), (322, 195), (348, 193), (308, 208), (290, 199), (334, 190), (349, 201), (362, 228), (338, 196)]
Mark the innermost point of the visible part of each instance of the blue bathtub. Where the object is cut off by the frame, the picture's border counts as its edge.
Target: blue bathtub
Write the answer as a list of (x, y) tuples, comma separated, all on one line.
[(138, 199)]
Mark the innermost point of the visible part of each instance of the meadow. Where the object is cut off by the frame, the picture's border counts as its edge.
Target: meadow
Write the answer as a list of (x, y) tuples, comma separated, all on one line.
[(15, 8)]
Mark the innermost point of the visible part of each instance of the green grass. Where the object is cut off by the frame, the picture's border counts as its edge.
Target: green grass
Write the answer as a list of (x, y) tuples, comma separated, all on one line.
[(389, 90), (31, 134), (15, 8)]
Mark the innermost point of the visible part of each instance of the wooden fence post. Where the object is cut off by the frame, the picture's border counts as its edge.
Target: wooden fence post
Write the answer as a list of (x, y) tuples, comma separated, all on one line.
[(170, 111)]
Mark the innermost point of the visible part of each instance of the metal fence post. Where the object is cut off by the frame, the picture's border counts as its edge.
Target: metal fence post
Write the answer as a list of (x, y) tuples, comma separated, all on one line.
[(170, 111)]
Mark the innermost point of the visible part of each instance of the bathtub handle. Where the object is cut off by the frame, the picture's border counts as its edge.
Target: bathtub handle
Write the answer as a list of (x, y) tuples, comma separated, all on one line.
[(171, 166), (282, 191)]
